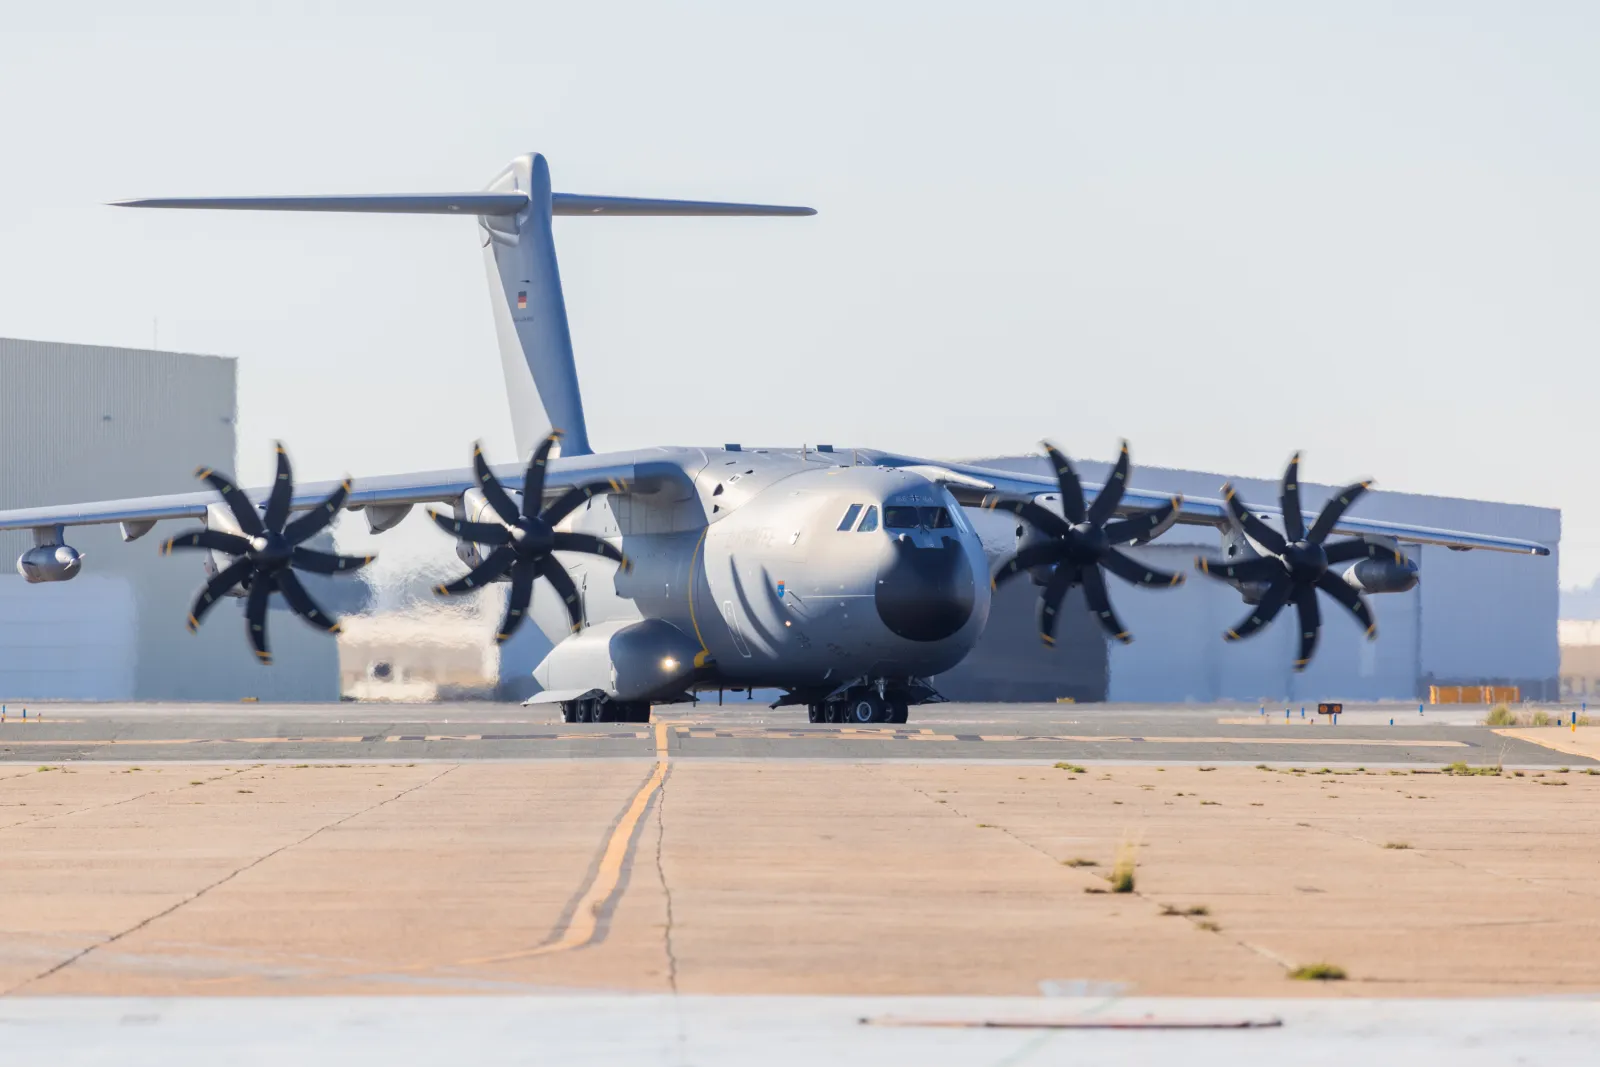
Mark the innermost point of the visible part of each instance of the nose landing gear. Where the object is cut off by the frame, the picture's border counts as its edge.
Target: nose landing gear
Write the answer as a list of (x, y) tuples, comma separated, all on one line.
[(860, 706)]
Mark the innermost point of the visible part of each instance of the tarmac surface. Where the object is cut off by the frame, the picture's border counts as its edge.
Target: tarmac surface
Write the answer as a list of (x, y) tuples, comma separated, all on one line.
[(731, 884), (1047, 732)]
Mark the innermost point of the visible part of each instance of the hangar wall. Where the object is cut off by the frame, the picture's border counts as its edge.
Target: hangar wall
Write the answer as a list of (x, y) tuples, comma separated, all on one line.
[(86, 422), (1475, 617)]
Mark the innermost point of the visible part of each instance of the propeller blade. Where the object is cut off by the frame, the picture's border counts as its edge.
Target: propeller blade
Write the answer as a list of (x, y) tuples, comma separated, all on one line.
[(498, 562), (282, 492), (522, 576), (309, 559), (557, 576), (1055, 591), (1345, 551), (1336, 587), (1039, 555), (255, 613), (1259, 569), (493, 491), (214, 590), (1038, 516), (216, 540), (316, 520), (1105, 505), (568, 502), (301, 604), (1072, 505), (533, 481), (580, 542), (1305, 603), (1094, 590), (1334, 510), (1294, 520), (1144, 526), (1131, 570), (1260, 532), (244, 512), (1276, 597), (479, 533)]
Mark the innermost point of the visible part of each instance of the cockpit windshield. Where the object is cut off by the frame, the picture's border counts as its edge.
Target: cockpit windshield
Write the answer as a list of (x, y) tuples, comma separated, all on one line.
[(907, 517)]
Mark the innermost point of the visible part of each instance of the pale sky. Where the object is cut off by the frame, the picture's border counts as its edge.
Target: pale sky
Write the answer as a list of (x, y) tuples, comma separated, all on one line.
[(1223, 231)]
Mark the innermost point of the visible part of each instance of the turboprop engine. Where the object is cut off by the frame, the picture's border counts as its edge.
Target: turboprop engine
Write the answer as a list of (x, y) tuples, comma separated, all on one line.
[(1384, 575)]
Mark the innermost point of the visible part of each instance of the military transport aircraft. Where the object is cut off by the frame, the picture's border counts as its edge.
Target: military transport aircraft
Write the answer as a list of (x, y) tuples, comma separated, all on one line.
[(844, 577)]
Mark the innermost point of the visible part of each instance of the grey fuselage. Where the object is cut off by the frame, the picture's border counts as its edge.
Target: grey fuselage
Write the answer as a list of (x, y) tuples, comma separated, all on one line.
[(746, 557)]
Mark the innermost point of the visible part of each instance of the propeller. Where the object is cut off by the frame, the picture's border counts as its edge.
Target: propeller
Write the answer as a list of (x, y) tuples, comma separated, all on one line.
[(524, 540), (1082, 545), (268, 551), (1294, 564)]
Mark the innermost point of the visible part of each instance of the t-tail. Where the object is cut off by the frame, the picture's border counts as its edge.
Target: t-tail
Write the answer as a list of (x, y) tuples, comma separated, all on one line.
[(530, 315)]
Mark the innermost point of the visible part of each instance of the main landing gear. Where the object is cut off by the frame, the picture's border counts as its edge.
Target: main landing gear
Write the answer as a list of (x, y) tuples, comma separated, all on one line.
[(861, 706), (604, 709)]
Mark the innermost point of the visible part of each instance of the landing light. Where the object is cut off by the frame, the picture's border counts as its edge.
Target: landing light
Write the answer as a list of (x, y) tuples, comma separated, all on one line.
[(669, 664)]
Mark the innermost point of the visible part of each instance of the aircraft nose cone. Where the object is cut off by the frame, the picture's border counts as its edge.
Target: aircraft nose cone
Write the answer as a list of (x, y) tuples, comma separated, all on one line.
[(925, 594)]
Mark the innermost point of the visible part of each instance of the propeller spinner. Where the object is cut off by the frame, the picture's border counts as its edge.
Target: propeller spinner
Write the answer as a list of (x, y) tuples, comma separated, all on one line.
[(525, 539), (1295, 563), (268, 553), (1083, 543)]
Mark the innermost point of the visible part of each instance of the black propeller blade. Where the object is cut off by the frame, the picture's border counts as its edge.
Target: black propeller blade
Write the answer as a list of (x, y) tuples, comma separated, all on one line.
[(1295, 564), (525, 540), (1083, 544), (268, 553)]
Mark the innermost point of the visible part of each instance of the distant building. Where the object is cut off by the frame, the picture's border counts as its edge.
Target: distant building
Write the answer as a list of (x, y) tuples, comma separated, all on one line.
[(1482, 618), (85, 422)]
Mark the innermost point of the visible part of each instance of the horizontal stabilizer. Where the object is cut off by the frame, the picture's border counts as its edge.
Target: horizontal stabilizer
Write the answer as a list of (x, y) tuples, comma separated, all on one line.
[(468, 204), (397, 204), (578, 204)]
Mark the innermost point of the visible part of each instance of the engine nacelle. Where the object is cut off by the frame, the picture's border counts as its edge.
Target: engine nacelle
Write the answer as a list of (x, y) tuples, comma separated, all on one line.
[(641, 660), (50, 563), (1381, 575), (474, 507)]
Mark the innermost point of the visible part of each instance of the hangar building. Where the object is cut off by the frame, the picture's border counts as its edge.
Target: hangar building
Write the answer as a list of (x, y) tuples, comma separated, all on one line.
[(1475, 617), (85, 422)]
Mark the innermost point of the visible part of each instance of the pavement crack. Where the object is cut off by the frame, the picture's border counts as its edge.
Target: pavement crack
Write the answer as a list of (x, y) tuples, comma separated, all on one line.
[(118, 803), (666, 889), (191, 898)]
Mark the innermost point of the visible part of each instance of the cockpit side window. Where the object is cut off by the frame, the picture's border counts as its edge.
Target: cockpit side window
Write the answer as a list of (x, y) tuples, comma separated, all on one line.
[(900, 517), (850, 515), (936, 519), (870, 522)]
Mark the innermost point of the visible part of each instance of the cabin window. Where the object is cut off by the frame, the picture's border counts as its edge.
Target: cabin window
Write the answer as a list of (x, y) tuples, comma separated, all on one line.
[(870, 522), (850, 516)]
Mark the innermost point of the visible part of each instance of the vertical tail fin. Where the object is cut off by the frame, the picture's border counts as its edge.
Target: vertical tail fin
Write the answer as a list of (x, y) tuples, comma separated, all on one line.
[(530, 314)]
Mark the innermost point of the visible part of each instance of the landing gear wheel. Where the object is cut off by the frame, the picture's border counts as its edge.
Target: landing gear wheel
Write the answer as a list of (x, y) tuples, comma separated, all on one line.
[(866, 708), (634, 711), (833, 711), (816, 713), (899, 711), (570, 711)]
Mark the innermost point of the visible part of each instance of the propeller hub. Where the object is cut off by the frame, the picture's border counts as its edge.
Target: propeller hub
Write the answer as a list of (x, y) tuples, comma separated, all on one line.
[(533, 537), (270, 549), (1085, 543), (1306, 561)]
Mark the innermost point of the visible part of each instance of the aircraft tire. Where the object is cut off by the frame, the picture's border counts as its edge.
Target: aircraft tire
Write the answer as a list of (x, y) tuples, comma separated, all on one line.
[(899, 711), (865, 708), (816, 713)]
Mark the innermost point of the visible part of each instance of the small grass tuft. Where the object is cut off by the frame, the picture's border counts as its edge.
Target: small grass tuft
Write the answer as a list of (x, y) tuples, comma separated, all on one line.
[(1209, 927), (1395, 844), (1207, 768), (1318, 972), (1197, 909), (1500, 715), (1079, 861), (1542, 718), (1211, 803), (1122, 869), (1262, 767), (1071, 768)]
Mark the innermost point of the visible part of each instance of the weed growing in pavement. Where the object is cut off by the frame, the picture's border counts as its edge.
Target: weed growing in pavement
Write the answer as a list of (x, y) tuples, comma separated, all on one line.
[(1079, 861), (1208, 768), (1122, 869), (1262, 767), (1209, 927), (1460, 767), (1395, 844), (1552, 782), (1071, 768), (1318, 972)]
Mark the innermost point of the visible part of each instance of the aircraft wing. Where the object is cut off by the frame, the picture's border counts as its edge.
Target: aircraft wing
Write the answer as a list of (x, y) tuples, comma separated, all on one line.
[(386, 490), (970, 484)]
